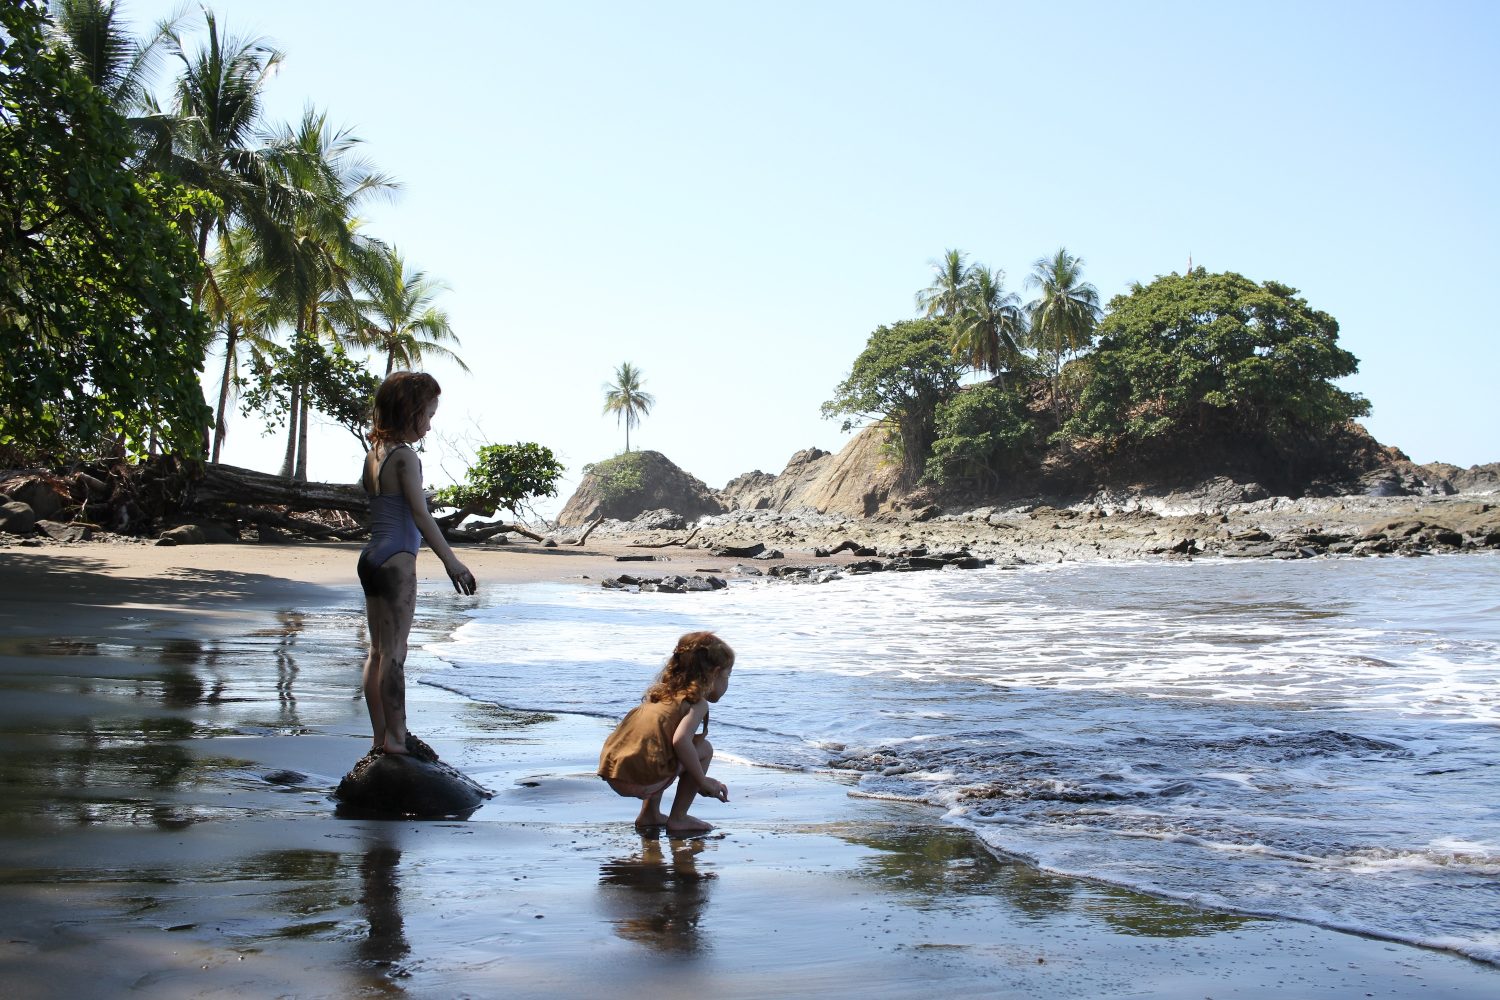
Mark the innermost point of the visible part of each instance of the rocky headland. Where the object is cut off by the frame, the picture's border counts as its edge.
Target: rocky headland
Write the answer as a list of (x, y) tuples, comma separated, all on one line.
[(849, 508)]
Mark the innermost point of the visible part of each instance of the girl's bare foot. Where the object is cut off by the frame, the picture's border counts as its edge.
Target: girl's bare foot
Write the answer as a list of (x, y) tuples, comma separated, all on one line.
[(396, 749), (650, 819), (688, 824)]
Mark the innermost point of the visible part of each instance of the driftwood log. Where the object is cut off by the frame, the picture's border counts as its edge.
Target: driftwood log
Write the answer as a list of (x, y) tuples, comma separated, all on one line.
[(668, 543), (483, 532), (260, 498)]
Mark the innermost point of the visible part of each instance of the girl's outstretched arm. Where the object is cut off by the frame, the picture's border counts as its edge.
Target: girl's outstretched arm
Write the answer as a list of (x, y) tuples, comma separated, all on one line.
[(409, 475), (685, 745)]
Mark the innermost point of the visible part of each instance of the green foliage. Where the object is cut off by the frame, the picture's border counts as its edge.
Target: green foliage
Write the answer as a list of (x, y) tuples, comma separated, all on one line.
[(334, 384), (982, 432), (618, 478), (1215, 355), (97, 340), (901, 377), (503, 476)]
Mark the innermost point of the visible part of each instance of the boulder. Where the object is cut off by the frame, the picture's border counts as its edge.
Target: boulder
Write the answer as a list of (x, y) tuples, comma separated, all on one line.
[(60, 532), (17, 518), (413, 784), (38, 494)]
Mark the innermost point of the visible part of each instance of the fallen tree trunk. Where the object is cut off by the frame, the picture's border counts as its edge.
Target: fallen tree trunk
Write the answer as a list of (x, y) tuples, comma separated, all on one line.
[(590, 529), (232, 485), (490, 531), (667, 544), (258, 515)]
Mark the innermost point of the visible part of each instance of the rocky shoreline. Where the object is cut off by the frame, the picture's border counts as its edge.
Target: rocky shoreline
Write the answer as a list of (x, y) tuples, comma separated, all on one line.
[(1277, 528)]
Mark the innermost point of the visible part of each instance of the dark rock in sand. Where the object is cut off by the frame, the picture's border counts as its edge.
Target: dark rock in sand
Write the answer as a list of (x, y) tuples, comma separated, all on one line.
[(17, 518), (42, 497), (60, 532), (740, 551), (413, 784), (198, 533)]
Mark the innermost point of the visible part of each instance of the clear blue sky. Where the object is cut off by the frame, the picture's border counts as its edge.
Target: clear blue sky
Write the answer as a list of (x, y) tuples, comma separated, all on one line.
[(732, 196)]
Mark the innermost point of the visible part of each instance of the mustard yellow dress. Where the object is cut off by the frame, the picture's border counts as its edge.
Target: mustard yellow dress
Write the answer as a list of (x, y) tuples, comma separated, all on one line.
[(639, 751)]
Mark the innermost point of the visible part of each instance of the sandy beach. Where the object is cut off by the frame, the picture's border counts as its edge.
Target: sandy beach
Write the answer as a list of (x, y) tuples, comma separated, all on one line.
[(174, 722)]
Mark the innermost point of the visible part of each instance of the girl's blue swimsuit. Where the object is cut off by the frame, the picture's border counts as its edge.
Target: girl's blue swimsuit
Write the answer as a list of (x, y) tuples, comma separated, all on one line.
[(392, 528)]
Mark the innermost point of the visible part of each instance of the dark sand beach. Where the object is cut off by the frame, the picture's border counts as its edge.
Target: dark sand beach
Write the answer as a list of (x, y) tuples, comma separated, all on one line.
[(174, 721)]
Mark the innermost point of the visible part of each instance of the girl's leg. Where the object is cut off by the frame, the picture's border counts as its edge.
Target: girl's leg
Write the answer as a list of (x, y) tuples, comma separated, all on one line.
[(388, 609), (678, 821), (376, 613), (651, 814)]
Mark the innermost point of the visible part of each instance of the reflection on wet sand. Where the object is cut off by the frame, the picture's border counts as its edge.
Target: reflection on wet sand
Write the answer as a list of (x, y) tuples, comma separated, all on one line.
[(937, 868), (385, 944), (658, 898)]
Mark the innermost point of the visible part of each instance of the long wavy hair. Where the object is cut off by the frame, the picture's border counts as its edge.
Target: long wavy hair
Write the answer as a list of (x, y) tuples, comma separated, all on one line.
[(691, 668), (399, 403)]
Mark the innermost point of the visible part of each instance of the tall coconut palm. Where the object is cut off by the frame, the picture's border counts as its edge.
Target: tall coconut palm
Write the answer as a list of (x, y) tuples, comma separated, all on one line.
[(218, 147), (101, 46), (1064, 313), (626, 399), (990, 326), (237, 299), (309, 260), (395, 315), (951, 276)]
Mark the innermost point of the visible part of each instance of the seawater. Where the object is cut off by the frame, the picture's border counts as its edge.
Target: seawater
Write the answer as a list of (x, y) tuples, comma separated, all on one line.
[(1317, 740)]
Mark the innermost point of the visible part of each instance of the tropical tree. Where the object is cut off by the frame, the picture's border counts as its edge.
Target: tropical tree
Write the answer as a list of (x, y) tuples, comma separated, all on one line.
[(901, 377), (244, 313), (1064, 313), (626, 399), (102, 48), (217, 132), (982, 432), (395, 315), (309, 264), (989, 327), (98, 347), (1202, 357), (952, 276)]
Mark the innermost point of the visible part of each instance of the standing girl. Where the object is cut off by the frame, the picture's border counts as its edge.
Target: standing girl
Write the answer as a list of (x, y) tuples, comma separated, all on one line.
[(399, 520), (658, 742)]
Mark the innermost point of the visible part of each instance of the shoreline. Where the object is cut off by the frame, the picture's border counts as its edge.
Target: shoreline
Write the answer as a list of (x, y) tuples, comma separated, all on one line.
[(154, 692)]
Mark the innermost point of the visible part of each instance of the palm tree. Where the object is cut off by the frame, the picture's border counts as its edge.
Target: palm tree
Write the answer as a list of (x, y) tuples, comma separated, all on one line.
[(217, 137), (951, 277), (990, 325), (626, 399), (120, 66), (1064, 314), (396, 316), (309, 261), (240, 304)]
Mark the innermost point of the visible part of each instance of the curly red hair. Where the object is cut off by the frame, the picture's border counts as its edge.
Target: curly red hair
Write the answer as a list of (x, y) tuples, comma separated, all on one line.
[(691, 668)]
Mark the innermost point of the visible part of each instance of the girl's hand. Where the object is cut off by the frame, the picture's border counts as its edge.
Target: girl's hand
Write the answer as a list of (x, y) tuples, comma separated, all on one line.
[(714, 789), (463, 580)]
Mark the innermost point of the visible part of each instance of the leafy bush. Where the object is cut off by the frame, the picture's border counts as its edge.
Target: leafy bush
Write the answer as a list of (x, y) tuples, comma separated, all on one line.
[(982, 432), (619, 478), (502, 476)]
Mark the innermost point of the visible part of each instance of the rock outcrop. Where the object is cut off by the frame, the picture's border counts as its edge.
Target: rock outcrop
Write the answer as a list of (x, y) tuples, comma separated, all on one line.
[(413, 784), (661, 485)]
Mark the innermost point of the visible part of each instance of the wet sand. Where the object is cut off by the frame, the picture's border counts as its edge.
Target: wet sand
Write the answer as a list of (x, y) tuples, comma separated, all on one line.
[(174, 720)]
